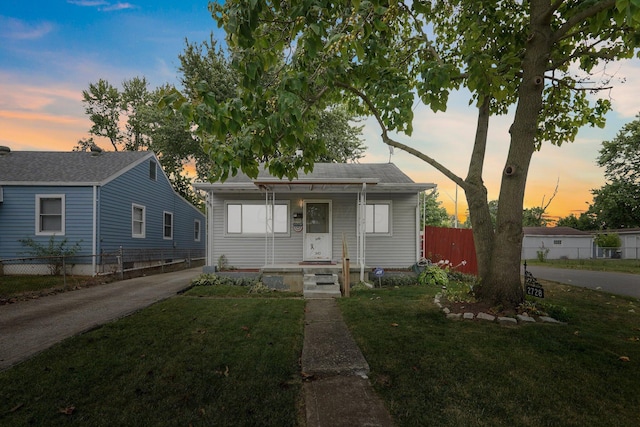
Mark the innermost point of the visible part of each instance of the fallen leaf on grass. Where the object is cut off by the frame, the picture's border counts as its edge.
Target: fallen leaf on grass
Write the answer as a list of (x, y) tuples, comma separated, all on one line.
[(395, 325), (306, 377), (15, 408), (624, 359), (245, 328), (68, 410), (633, 339)]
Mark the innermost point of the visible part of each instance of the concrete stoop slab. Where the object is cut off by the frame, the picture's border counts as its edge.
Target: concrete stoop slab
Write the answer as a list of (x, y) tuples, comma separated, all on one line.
[(344, 401)]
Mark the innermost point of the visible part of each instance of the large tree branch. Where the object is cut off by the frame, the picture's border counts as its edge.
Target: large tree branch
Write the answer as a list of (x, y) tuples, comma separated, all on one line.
[(393, 143), (581, 16), (476, 164)]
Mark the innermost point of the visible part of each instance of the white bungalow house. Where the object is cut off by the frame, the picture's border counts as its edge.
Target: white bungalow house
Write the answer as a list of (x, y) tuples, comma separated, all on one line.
[(556, 243), (285, 227)]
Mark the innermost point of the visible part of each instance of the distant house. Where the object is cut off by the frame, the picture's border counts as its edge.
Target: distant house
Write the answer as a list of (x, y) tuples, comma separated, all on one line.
[(630, 243), (269, 223), (103, 201), (556, 243)]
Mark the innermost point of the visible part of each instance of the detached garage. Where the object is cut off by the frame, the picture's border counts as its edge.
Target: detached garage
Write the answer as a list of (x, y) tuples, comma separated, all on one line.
[(556, 243)]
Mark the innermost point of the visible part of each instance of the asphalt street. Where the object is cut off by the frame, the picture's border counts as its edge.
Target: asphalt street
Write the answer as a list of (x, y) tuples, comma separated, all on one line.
[(614, 283)]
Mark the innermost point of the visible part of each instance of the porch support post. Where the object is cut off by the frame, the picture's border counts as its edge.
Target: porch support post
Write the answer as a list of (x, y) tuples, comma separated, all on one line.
[(266, 226), (272, 211), (362, 228)]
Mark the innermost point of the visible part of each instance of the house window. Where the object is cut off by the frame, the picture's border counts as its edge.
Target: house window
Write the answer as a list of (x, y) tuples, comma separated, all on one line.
[(152, 170), (167, 225), (196, 230), (557, 242), (50, 214), (138, 221), (252, 218), (379, 218)]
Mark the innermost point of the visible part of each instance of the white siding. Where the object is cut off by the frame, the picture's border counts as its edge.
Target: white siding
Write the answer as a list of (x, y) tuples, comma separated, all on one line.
[(398, 249)]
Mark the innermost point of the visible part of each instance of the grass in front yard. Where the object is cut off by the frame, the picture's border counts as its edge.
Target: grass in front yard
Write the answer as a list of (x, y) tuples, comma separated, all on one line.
[(12, 286), (617, 265), (184, 361), (434, 371)]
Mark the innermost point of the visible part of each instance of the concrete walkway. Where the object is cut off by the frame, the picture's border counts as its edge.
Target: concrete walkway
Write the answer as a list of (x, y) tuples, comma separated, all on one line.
[(339, 392), (29, 327)]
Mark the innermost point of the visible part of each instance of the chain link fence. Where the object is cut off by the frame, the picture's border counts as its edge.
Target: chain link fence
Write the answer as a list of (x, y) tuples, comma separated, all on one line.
[(121, 263), (567, 252)]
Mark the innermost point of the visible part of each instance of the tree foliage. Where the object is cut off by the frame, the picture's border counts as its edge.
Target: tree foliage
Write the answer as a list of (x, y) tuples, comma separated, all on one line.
[(531, 58), (432, 212), (585, 222), (617, 203)]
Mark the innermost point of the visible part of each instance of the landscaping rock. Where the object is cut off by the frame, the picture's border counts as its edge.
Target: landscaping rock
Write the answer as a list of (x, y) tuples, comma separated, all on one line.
[(549, 319), (525, 318), (446, 310), (468, 316), (485, 316), (507, 321)]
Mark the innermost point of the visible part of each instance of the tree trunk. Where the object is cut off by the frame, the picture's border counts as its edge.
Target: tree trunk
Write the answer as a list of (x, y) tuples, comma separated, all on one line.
[(502, 284)]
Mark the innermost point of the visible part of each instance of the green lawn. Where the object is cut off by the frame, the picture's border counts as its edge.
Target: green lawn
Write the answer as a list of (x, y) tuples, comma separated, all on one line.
[(186, 361), (219, 356), (434, 371), (618, 265)]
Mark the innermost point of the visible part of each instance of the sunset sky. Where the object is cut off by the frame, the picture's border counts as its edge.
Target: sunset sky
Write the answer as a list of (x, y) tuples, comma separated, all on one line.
[(50, 51)]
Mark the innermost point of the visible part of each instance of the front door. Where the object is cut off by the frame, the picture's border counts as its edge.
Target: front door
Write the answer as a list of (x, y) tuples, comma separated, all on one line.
[(317, 231)]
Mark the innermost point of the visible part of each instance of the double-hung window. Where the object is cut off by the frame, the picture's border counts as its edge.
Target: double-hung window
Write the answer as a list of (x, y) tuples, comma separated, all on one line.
[(138, 221), (50, 214), (196, 230), (378, 220), (255, 218), (167, 225)]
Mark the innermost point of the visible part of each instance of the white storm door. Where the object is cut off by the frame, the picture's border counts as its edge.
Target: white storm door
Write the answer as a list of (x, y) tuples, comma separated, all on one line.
[(317, 231)]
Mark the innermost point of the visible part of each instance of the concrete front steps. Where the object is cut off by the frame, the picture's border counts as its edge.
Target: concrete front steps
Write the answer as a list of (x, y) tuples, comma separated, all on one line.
[(321, 285)]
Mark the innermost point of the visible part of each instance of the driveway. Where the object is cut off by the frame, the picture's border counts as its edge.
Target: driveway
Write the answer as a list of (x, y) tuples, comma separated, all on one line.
[(614, 283), (29, 327)]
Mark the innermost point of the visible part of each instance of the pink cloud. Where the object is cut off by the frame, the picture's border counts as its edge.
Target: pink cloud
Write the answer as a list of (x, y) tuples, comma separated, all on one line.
[(15, 29)]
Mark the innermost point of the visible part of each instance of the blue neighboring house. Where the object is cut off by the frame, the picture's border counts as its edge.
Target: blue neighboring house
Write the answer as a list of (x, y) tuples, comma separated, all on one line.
[(101, 200)]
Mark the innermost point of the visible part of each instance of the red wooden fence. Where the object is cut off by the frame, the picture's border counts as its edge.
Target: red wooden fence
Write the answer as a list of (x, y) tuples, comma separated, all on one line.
[(453, 244)]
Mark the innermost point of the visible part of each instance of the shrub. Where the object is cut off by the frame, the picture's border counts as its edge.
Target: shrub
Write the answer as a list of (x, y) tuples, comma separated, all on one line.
[(54, 251), (433, 276), (211, 279)]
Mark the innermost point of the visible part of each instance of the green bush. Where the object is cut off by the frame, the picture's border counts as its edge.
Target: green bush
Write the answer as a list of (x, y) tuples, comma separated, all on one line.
[(433, 276), (211, 279), (393, 280)]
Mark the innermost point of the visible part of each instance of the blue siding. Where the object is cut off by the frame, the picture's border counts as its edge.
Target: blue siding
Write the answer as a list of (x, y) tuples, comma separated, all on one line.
[(157, 196), (115, 198), (18, 218)]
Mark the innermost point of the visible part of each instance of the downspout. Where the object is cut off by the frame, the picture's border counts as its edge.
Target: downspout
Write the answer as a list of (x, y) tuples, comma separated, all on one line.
[(418, 223), (94, 243), (363, 228), (209, 228)]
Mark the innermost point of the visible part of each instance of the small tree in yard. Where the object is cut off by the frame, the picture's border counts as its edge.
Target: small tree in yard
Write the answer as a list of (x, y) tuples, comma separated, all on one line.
[(608, 241), (54, 252), (296, 58)]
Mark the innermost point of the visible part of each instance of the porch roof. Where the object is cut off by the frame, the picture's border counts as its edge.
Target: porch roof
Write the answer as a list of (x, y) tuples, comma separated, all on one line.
[(325, 178)]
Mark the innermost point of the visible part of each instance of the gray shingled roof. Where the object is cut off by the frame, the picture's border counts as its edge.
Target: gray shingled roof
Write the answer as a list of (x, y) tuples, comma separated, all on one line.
[(384, 172), (553, 231), (325, 178), (59, 167)]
